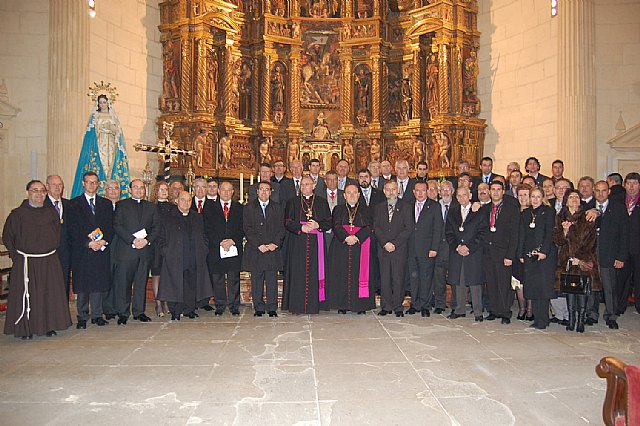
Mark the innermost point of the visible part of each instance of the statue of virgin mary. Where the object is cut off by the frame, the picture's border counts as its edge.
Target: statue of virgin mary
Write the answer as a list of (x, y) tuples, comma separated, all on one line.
[(103, 150)]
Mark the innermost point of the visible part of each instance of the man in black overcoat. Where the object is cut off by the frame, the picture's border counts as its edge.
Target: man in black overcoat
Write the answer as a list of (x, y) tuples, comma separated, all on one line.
[(137, 225), (263, 224), (55, 189), (223, 226), (88, 214)]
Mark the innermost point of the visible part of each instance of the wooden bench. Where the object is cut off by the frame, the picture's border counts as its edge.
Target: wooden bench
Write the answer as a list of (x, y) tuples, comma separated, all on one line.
[(622, 398)]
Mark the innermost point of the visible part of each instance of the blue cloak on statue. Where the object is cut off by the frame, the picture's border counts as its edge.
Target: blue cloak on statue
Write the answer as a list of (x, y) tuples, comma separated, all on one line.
[(108, 132)]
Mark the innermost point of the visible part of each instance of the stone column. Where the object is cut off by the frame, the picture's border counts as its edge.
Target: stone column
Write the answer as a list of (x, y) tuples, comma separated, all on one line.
[(69, 105), (577, 88)]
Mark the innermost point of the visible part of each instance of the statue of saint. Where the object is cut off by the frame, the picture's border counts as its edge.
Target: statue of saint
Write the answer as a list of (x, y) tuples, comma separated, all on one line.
[(348, 152), (363, 91), (225, 151), (375, 150), (432, 85), (418, 150), (265, 150), (321, 128), (199, 145), (293, 150), (407, 99), (470, 75), (103, 149), (444, 146), (277, 87)]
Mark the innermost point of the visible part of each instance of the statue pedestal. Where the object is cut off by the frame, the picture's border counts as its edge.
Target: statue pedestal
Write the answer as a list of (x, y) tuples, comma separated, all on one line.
[(328, 151)]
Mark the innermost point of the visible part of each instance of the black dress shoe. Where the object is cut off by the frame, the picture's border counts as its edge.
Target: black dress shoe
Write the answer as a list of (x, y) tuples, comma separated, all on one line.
[(191, 315), (219, 312), (235, 312), (258, 313), (506, 320), (383, 313), (362, 312), (529, 317), (438, 311), (491, 317), (122, 320), (479, 318), (81, 325), (99, 321), (425, 313), (109, 316), (142, 318), (175, 317), (273, 314), (521, 317), (613, 324), (564, 322), (342, 311), (554, 320), (208, 308), (411, 311), (51, 333), (453, 315), (29, 337), (590, 321), (399, 314)]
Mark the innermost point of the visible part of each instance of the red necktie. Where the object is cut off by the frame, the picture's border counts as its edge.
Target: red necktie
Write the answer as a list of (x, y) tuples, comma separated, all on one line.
[(199, 206), (333, 196), (492, 222), (226, 211)]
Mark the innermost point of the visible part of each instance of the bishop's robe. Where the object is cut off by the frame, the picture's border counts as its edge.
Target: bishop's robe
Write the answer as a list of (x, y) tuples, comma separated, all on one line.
[(303, 284)]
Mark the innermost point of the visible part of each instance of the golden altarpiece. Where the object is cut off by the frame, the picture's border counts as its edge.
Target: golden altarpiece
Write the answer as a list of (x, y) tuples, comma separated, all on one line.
[(258, 80)]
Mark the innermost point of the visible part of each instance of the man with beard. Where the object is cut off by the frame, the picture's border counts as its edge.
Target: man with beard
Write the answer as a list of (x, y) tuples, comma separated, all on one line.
[(368, 195)]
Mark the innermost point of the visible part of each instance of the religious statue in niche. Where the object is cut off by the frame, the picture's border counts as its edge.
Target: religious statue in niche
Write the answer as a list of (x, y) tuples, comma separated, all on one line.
[(212, 80), (362, 93), (407, 100), (234, 105), (348, 153), (320, 70), (362, 154), (365, 9), (375, 150), (321, 128), (103, 149), (278, 90), (419, 150), (171, 83), (225, 151), (265, 150), (470, 74), (244, 89), (432, 85), (279, 8), (440, 147), (293, 150), (395, 93), (199, 145), (320, 8)]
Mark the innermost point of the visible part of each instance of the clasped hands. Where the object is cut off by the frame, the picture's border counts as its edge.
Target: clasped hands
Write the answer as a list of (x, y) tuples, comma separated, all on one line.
[(267, 247), (227, 243), (97, 245), (140, 243), (351, 240), (310, 226)]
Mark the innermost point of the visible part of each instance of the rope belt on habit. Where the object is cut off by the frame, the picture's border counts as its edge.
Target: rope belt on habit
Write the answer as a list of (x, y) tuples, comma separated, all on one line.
[(26, 304)]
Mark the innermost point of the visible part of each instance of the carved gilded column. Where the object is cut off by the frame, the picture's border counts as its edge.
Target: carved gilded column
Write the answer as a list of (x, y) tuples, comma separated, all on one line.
[(185, 84), (68, 82), (267, 59), (416, 87), (348, 8), (201, 83), (345, 59), (577, 88), (375, 90), (227, 78), (294, 79), (456, 90), (255, 91), (384, 87), (443, 76)]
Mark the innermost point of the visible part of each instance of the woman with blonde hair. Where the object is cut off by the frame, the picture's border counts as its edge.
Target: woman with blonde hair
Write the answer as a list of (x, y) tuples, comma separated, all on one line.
[(160, 196), (522, 194)]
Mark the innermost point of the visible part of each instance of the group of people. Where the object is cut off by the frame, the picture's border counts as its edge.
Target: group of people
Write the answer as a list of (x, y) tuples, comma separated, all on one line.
[(337, 241)]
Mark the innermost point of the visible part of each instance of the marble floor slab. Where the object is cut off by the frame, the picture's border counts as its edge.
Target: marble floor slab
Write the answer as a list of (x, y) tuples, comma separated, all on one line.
[(326, 369)]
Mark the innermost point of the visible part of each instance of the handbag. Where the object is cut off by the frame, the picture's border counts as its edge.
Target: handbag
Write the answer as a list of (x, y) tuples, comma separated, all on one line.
[(574, 283)]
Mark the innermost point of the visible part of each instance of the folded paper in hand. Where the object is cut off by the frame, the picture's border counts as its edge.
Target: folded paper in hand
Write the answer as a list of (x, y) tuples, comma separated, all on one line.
[(232, 252), (139, 234), (97, 235)]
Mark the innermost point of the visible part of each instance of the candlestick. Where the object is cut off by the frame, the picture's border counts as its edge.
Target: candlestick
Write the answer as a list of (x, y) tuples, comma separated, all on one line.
[(241, 187), (251, 180)]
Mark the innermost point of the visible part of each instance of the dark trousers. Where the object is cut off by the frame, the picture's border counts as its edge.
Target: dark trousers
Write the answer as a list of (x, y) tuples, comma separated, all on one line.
[(66, 274), (629, 280), (127, 272), (540, 311), (421, 274), (188, 303), (89, 301), (499, 291), (440, 278), (258, 281), (392, 271), (109, 298), (609, 277), (226, 291)]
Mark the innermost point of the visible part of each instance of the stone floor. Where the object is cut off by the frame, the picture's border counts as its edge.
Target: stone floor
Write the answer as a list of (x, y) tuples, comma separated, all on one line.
[(311, 370)]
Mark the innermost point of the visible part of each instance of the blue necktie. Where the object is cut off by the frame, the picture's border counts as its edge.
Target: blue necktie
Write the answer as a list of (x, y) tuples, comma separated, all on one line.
[(92, 206), (264, 210)]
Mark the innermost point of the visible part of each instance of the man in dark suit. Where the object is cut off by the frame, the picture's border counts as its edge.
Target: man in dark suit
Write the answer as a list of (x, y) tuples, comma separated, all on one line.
[(212, 190), (486, 169), (465, 231), (405, 183), (630, 275), (613, 250), (532, 166), (422, 171), (137, 226), (557, 171), (90, 231), (55, 189), (586, 185), (369, 196), (223, 226), (200, 201), (263, 223), (618, 193), (279, 171), (377, 181), (265, 176), (342, 168), (515, 179), (290, 188), (500, 248), (392, 221), (334, 197), (423, 245), (447, 203), (386, 173), (314, 172)]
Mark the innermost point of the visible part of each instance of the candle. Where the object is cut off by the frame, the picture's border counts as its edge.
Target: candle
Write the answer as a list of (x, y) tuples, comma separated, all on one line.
[(241, 187), (251, 180)]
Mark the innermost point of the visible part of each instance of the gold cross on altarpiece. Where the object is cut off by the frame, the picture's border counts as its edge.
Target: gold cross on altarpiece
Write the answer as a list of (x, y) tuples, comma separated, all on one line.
[(166, 150)]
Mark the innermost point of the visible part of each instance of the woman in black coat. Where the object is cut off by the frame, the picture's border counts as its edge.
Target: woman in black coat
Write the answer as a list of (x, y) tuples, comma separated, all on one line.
[(160, 196), (538, 254), (523, 193)]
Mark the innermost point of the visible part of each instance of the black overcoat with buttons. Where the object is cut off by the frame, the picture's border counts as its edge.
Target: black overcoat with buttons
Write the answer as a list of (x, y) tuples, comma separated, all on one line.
[(471, 233)]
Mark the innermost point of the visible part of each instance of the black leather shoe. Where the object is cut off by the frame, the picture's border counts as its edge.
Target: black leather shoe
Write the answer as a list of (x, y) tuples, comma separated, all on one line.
[(175, 317), (590, 321), (479, 318), (383, 313), (235, 312), (613, 324), (490, 317), (142, 318), (554, 320), (122, 320), (362, 312), (219, 312), (438, 311), (81, 325), (530, 318), (208, 308), (51, 333), (99, 322), (191, 315), (425, 313), (109, 316), (411, 311), (453, 315), (521, 317), (506, 320), (564, 322), (29, 337), (258, 313), (273, 314), (342, 311), (399, 314)]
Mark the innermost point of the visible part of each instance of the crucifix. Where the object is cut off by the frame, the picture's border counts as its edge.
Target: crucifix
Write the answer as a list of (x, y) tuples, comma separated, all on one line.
[(165, 149)]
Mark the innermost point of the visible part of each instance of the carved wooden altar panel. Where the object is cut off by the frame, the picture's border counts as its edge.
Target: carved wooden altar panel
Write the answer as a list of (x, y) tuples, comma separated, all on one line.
[(260, 80)]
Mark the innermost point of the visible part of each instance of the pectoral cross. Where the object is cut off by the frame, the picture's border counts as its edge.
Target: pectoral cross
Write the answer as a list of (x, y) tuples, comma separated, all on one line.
[(309, 213), (165, 149)]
